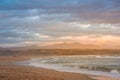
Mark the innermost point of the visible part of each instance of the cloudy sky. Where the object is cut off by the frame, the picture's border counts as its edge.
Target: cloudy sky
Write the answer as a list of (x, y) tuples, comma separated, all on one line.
[(43, 22)]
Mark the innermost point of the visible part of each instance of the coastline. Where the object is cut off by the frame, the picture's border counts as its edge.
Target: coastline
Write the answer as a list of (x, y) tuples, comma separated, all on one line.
[(45, 71), (92, 73), (10, 71), (104, 78)]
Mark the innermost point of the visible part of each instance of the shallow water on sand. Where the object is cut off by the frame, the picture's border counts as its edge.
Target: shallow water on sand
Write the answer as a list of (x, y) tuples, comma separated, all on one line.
[(94, 65)]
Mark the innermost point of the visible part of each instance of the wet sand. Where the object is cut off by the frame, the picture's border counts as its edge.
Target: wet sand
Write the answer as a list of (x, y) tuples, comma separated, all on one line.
[(29, 73), (104, 78), (9, 71)]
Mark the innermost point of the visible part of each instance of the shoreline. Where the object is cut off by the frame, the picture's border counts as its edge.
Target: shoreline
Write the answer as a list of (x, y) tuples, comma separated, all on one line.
[(97, 74), (71, 70), (10, 71), (68, 75)]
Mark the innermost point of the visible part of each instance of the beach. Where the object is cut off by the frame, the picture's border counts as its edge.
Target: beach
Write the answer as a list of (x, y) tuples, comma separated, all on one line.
[(10, 71)]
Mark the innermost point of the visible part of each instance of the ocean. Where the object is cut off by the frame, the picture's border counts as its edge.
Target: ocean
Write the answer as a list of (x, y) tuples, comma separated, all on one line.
[(90, 64)]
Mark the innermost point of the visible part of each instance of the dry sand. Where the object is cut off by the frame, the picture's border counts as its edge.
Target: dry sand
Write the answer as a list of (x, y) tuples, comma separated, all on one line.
[(30, 73), (8, 71)]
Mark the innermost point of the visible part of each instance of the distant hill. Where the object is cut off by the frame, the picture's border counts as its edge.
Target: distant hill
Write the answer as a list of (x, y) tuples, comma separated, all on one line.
[(58, 49), (24, 47), (56, 46), (71, 46), (62, 46)]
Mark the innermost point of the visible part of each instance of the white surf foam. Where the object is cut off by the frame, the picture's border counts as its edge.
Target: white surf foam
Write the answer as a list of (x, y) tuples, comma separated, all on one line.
[(34, 62)]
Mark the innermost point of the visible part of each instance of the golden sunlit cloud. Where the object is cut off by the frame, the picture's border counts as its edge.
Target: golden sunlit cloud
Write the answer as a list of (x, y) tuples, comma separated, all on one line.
[(101, 40)]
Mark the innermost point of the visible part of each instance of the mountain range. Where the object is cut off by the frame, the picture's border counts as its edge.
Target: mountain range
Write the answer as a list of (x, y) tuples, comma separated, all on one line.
[(56, 46)]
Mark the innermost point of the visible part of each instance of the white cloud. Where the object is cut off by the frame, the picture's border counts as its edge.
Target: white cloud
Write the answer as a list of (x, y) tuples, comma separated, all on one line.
[(76, 24), (37, 35)]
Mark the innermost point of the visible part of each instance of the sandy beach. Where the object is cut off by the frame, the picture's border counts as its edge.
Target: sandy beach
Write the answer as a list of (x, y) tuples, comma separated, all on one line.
[(59, 39), (9, 71), (30, 73), (104, 78)]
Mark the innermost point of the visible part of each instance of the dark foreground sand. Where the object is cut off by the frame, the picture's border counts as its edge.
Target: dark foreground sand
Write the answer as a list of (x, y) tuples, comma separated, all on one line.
[(8, 71), (29, 73)]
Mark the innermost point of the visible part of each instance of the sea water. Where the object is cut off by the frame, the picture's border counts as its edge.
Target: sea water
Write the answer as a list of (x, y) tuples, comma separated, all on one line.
[(90, 64)]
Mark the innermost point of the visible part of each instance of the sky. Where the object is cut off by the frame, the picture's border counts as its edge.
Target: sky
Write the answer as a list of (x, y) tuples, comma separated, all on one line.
[(45, 22)]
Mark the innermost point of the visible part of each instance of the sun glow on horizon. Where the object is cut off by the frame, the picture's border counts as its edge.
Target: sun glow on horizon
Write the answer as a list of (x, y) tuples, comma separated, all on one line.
[(25, 23)]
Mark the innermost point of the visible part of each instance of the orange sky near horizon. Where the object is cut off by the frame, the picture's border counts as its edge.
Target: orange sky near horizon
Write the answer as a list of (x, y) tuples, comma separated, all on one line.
[(47, 22)]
